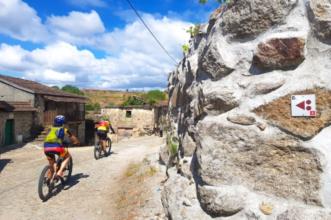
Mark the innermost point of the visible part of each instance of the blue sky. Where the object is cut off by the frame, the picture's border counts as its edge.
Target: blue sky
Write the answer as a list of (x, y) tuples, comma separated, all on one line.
[(95, 43)]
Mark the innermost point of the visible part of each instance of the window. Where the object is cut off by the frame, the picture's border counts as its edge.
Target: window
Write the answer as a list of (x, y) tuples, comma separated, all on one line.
[(128, 114)]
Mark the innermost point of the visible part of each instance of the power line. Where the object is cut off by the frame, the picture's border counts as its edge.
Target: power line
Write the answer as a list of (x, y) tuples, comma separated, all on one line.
[(151, 32)]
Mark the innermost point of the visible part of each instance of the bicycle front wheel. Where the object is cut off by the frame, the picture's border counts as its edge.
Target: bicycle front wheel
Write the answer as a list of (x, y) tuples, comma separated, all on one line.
[(44, 186), (109, 147), (97, 151)]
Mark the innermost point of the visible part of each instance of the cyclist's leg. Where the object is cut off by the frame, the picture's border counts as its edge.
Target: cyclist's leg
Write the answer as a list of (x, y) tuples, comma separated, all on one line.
[(51, 160), (66, 157), (104, 142)]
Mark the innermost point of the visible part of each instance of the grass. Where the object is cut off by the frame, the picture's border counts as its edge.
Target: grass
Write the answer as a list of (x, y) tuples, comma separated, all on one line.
[(134, 190)]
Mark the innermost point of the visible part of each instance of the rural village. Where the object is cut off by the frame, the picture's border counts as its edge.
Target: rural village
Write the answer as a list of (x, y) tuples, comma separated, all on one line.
[(237, 127)]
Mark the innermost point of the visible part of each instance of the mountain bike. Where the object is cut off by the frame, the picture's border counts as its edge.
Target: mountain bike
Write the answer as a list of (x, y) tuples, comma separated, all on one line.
[(46, 185), (98, 152)]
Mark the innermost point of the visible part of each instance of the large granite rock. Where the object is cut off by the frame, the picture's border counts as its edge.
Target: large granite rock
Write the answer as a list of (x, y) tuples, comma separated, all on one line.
[(222, 201), (320, 16), (281, 53), (247, 18), (180, 201), (212, 63), (302, 213), (260, 162)]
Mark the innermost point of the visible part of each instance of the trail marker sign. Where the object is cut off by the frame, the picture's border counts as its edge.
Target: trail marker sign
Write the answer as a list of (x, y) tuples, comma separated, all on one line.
[(303, 105)]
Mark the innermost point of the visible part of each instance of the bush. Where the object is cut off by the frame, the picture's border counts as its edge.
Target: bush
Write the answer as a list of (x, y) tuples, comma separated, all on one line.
[(92, 107), (133, 100), (154, 96), (72, 89)]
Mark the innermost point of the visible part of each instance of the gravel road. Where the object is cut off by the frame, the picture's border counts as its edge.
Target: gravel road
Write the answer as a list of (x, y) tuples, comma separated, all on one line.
[(89, 194)]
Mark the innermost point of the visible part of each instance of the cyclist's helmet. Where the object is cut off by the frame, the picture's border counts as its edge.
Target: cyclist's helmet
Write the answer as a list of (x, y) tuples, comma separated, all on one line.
[(59, 120)]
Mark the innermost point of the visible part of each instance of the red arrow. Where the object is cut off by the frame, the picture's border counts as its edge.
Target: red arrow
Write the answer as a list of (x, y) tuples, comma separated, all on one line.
[(302, 105)]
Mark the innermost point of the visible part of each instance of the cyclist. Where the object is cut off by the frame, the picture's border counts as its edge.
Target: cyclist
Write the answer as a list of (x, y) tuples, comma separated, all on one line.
[(103, 128), (55, 144)]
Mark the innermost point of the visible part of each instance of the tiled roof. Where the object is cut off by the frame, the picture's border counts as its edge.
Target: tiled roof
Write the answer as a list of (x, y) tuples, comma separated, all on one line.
[(38, 88), (17, 106)]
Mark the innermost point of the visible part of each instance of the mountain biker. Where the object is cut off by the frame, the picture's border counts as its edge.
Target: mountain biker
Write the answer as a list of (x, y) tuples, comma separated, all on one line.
[(103, 128), (54, 143)]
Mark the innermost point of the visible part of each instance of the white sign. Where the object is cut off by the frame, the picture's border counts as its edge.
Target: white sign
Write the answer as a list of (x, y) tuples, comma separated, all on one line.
[(303, 105)]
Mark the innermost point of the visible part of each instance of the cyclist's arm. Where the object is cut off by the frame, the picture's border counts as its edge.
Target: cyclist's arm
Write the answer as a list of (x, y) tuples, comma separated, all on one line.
[(112, 129)]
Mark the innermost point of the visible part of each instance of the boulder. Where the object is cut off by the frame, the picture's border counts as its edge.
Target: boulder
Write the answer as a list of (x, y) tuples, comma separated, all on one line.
[(212, 63), (273, 163), (320, 16), (262, 87), (164, 155), (248, 18), (241, 119), (280, 54), (188, 145), (222, 201), (278, 113), (220, 98), (180, 201), (302, 213)]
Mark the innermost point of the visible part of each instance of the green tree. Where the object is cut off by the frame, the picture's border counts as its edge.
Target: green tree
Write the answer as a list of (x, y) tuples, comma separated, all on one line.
[(72, 89), (133, 100), (154, 96), (92, 107)]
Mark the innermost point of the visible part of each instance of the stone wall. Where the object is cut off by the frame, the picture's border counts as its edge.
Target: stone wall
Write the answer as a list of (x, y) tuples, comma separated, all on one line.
[(12, 94), (139, 122), (230, 103), (23, 123)]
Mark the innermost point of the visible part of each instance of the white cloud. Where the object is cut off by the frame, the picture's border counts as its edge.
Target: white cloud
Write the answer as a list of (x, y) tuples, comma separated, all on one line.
[(76, 24), (49, 75), (133, 60), (20, 21)]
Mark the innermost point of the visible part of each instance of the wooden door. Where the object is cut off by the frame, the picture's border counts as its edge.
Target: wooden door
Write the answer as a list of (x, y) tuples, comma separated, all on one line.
[(9, 132)]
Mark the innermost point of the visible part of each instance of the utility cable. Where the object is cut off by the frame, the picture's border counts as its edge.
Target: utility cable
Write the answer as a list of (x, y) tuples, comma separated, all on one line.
[(151, 32)]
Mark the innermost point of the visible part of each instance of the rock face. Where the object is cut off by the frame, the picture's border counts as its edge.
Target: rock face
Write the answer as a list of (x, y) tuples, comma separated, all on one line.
[(247, 18), (287, 53), (320, 14), (230, 103)]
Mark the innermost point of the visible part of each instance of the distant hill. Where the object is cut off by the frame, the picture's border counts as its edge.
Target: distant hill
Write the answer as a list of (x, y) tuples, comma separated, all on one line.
[(107, 98)]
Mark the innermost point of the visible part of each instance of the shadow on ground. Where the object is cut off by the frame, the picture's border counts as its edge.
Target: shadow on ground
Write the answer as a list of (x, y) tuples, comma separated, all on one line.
[(74, 180), (3, 163)]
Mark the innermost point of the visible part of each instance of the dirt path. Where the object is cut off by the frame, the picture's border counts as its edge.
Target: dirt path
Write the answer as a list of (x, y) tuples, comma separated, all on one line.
[(89, 194)]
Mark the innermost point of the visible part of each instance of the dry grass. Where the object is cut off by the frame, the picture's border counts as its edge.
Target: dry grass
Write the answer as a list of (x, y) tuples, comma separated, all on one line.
[(105, 97), (134, 190)]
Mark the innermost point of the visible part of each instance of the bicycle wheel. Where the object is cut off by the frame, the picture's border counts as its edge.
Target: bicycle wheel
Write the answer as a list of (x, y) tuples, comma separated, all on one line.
[(97, 151), (109, 146), (67, 171), (44, 187)]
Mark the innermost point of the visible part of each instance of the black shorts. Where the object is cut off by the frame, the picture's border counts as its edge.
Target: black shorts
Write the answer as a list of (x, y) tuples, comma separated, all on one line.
[(102, 135)]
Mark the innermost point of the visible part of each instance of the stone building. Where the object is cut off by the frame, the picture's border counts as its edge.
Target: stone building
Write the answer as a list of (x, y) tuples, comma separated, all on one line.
[(136, 120), (27, 107)]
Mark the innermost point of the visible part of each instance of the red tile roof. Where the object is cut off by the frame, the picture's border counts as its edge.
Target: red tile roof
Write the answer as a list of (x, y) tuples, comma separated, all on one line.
[(37, 87), (17, 106)]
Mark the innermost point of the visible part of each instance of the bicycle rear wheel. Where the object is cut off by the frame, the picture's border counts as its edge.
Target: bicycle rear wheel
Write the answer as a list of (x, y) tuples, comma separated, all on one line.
[(97, 151), (44, 186), (67, 171)]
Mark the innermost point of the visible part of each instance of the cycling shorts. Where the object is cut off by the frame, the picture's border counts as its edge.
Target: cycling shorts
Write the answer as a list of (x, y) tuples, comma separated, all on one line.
[(51, 150), (102, 135)]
